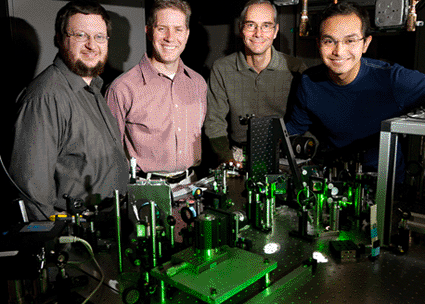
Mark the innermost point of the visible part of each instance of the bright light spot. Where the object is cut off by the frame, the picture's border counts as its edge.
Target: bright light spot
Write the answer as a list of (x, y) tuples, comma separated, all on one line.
[(271, 248), (319, 257), (115, 286)]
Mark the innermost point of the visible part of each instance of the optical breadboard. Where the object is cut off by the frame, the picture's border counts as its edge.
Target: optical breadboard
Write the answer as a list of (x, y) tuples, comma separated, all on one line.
[(390, 13)]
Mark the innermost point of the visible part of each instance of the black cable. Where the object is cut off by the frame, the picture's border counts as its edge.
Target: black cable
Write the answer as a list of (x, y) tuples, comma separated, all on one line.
[(76, 267), (413, 116), (36, 204), (420, 5)]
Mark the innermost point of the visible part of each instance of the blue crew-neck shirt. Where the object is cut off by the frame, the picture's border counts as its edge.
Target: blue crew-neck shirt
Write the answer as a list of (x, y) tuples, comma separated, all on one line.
[(351, 113)]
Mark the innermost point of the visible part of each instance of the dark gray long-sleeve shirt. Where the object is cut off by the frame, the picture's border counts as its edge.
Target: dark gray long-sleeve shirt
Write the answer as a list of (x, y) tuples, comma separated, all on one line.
[(66, 142), (236, 89)]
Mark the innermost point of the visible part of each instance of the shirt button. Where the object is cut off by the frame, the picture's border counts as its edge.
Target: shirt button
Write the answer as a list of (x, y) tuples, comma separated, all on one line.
[(177, 106), (178, 129)]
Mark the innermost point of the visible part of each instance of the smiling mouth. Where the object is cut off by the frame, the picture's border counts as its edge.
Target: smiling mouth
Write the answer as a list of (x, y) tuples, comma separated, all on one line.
[(170, 48), (90, 55), (338, 61)]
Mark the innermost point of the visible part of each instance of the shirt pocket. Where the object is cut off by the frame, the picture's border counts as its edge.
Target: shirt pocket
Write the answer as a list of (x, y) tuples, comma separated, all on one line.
[(152, 117)]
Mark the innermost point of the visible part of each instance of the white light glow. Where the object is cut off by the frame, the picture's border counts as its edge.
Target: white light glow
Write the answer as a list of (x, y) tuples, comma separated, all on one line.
[(271, 248), (319, 257)]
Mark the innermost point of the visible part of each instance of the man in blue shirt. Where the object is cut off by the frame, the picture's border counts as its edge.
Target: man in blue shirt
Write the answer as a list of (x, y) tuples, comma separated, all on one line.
[(347, 97)]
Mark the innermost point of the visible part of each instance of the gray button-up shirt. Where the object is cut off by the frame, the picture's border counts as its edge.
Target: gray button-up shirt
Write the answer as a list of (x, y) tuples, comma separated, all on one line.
[(66, 142)]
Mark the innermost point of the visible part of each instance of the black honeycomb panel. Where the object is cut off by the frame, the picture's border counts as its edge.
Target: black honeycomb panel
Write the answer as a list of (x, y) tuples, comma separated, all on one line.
[(262, 150)]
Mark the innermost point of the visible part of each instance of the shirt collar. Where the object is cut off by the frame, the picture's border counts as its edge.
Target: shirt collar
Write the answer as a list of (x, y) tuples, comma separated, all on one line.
[(149, 72), (274, 64), (75, 81)]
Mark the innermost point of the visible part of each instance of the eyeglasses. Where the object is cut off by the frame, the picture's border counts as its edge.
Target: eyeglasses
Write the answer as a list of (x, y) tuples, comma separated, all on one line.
[(348, 42), (83, 37), (252, 26)]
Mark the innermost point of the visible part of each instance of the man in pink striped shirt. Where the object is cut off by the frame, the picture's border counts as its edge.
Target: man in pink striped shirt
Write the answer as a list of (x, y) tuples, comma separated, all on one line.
[(160, 104)]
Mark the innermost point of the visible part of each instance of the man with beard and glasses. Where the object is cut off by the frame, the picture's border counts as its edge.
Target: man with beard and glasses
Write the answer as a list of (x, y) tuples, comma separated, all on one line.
[(66, 141)]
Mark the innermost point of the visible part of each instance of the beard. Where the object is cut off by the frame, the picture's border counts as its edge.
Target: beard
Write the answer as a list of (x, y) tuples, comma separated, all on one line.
[(81, 69)]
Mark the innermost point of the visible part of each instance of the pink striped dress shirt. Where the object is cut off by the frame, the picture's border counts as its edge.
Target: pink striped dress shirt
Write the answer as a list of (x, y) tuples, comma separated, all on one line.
[(160, 119)]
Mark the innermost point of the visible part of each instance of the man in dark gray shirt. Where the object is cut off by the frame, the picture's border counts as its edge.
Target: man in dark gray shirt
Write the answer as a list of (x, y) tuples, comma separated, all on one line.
[(66, 140)]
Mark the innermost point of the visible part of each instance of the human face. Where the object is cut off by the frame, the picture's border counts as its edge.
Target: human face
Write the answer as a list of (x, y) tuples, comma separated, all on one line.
[(259, 42), (169, 37), (343, 60), (85, 58)]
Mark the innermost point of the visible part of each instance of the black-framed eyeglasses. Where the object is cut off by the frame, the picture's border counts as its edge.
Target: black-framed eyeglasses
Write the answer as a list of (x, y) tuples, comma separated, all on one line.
[(81, 36)]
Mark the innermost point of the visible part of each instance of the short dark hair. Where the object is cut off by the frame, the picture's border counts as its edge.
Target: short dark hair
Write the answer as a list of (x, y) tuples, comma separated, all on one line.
[(347, 8), (85, 7), (252, 2), (158, 5)]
